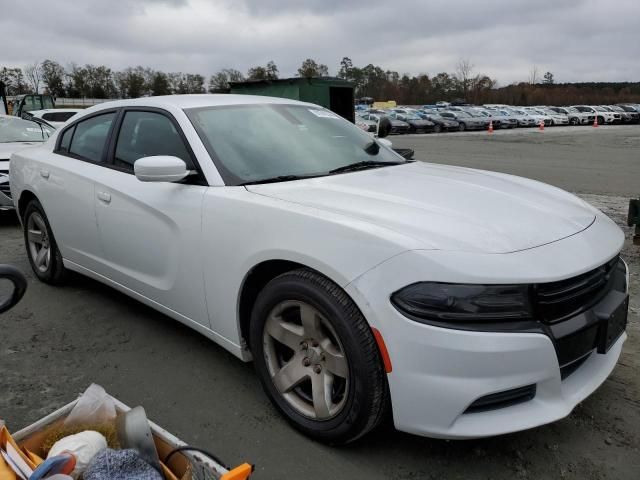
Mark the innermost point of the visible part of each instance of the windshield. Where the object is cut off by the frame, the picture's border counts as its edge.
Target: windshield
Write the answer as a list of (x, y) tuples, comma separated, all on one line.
[(601, 109), (250, 143), (13, 129), (462, 114)]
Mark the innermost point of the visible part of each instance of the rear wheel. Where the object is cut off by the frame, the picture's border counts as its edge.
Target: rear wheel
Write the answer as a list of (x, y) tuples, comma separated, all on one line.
[(42, 249), (317, 358), (437, 128), (573, 121), (462, 127)]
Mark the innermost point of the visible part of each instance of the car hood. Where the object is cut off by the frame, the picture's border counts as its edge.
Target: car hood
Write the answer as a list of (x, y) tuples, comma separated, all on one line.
[(6, 149), (444, 207)]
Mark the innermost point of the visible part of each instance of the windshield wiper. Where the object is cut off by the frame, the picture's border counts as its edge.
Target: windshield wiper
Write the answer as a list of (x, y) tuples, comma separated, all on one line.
[(364, 165), (279, 178)]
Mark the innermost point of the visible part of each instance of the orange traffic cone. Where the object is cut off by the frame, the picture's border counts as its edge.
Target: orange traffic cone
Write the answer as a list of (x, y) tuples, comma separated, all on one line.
[(490, 126), (595, 121), (541, 125)]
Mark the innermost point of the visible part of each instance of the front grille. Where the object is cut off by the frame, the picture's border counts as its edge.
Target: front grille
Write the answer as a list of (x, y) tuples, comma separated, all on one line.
[(556, 301), (569, 368), (4, 184)]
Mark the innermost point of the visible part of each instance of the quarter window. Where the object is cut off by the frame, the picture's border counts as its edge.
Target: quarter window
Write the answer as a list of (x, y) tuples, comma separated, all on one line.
[(146, 134), (65, 141), (90, 138)]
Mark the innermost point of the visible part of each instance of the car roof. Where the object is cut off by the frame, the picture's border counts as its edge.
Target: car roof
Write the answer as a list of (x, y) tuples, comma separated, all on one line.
[(196, 101), (50, 110)]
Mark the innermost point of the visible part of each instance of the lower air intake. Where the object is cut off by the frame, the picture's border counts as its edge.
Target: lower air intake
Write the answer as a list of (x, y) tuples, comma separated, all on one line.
[(504, 399)]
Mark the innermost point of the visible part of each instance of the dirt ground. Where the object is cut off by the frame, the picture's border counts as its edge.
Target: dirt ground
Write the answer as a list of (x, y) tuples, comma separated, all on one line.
[(59, 340)]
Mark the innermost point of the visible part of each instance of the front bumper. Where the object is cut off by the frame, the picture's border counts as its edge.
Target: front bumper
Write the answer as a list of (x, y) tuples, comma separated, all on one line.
[(438, 373), (6, 203)]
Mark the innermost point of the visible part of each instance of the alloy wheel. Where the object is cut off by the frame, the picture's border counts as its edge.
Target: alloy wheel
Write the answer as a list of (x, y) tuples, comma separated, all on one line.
[(306, 360), (39, 244)]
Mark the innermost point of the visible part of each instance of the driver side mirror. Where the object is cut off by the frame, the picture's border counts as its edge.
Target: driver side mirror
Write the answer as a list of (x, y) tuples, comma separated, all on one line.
[(160, 168), (13, 284)]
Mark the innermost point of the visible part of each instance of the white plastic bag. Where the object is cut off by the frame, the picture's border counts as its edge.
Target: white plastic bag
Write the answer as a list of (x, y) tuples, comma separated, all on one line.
[(95, 406)]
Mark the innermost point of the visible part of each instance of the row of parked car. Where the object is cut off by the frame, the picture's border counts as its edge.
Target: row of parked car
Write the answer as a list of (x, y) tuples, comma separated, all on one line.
[(434, 118)]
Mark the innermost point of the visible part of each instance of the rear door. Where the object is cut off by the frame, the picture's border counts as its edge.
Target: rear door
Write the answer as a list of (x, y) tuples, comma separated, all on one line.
[(150, 233), (66, 188)]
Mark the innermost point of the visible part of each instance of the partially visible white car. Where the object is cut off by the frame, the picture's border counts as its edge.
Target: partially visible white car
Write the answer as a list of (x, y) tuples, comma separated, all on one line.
[(470, 303), (575, 116), (557, 118), (602, 114), (539, 116), (16, 134), (56, 117)]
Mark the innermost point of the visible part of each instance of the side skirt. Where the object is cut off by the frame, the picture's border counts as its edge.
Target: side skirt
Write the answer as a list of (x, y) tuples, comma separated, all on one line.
[(235, 349)]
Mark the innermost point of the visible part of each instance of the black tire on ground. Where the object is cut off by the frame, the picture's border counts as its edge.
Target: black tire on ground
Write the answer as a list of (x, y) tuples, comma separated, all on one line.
[(462, 127), (55, 271), (573, 121), (600, 120), (367, 397), (437, 128)]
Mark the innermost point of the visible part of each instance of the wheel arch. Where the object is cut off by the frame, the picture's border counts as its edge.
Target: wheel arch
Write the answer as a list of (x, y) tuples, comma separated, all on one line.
[(257, 278), (254, 281), (25, 197)]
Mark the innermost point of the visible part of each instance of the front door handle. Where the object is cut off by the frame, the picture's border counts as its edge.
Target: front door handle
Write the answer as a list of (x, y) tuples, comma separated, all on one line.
[(44, 173), (104, 197)]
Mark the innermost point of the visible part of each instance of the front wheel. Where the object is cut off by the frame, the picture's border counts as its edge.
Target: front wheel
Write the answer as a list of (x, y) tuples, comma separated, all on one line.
[(437, 128), (317, 358), (462, 127), (600, 120), (42, 249)]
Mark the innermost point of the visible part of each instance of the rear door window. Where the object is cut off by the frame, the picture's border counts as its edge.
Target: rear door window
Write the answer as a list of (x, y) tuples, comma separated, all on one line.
[(58, 116)]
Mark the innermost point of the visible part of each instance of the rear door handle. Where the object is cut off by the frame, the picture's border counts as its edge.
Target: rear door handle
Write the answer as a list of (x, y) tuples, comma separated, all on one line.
[(44, 173), (104, 197)]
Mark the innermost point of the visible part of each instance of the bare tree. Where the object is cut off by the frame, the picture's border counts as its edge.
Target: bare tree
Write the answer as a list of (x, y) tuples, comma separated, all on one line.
[(534, 75), (34, 73), (464, 73)]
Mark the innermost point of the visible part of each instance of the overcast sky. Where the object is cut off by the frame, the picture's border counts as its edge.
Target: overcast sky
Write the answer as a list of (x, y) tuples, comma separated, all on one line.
[(577, 40)]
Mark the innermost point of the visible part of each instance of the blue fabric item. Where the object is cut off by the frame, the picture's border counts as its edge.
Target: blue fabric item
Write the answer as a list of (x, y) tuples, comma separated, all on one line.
[(120, 465)]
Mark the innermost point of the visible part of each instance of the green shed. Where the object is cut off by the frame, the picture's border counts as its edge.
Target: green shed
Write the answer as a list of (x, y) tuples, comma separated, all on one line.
[(335, 94)]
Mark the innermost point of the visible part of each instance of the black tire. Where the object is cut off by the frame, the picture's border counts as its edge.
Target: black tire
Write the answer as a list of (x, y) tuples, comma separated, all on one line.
[(437, 128), (367, 396), (600, 120), (462, 127), (573, 121), (55, 271)]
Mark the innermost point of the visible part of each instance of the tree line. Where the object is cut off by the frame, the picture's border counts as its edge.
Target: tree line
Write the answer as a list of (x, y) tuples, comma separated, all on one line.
[(463, 84)]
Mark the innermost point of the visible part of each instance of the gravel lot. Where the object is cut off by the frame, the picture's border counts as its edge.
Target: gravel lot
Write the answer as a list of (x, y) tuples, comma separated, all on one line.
[(59, 340)]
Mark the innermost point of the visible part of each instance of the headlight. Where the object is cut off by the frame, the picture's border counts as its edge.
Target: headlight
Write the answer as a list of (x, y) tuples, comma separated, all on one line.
[(453, 304)]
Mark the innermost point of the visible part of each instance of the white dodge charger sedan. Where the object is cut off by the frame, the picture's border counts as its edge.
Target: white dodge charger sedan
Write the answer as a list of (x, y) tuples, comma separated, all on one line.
[(470, 303)]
